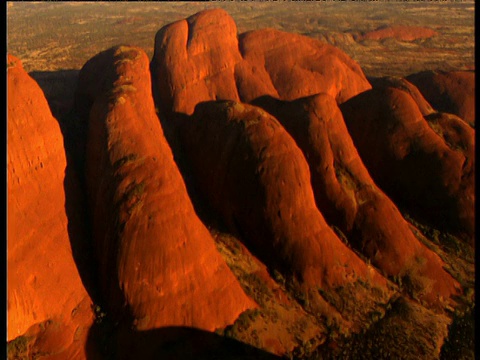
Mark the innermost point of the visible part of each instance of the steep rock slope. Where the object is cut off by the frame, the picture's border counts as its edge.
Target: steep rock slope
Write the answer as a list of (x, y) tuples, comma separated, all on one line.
[(426, 164), (295, 66), (252, 174), (386, 82), (158, 261), (48, 306), (449, 91), (201, 58), (194, 61), (349, 199), (289, 204)]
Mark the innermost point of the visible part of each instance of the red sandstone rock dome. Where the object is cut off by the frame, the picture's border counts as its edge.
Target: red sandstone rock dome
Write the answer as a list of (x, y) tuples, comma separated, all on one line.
[(48, 306), (349, 199), (308, 170), (424, 163), (157, 259), (201, 58), (449, 91)]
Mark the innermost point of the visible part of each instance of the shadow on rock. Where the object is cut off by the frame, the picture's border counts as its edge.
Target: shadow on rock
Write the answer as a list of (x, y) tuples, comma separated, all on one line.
[(59, 89), (176, 343)]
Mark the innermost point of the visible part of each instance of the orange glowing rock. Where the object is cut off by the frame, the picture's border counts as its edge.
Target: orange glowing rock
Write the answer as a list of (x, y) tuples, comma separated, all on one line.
[(158, 262), (46, 300)]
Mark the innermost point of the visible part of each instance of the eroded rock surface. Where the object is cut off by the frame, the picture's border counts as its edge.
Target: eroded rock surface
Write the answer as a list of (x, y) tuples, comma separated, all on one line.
[(406, 86), (256, 178), (158, 261), (449, 91), (426, 164), (49, 310), (195, 59), (296, 66), (305, 246), (349, 199), (201, 58)]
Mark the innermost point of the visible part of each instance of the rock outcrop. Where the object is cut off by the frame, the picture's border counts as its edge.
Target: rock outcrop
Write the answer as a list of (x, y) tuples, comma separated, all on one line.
[(425, 164), (239, 196), (255, 177), (349, 199), (158, 262), (49, 310), (296, 66), (449, 91), (195, 60), (400, 32), (404, 85), (201, 58)]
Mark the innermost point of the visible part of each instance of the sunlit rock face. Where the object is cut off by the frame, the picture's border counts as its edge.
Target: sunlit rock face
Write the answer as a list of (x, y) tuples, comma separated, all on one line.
[(252, 173), (158, 261), (295, 66), (343, 206), (195, 61), (288, 67), (349, 199), (201, 58), (47, 303)]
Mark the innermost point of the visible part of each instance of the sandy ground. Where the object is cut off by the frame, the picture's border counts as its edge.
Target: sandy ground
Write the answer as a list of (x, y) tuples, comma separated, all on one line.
[(51, 36)]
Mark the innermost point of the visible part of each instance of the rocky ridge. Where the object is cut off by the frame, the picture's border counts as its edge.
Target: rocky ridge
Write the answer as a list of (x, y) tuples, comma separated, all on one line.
[(160, 266), (250, 196)]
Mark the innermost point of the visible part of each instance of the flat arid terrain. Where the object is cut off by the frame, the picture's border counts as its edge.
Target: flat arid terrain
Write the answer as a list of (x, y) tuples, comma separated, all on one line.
[(63, 36), (241, 180)]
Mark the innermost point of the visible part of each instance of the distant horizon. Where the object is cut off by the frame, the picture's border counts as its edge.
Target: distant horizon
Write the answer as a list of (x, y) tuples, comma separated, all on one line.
[(96, 26)]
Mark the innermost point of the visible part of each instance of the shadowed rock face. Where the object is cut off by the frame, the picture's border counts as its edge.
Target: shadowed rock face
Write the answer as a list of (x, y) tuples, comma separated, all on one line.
[(194, 61), (158, 261), (252, 173), (185, 343), (451, 92), (47, 303), (424, 163), (402, 33), (201, 58), (349, 199), (404, 85)]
